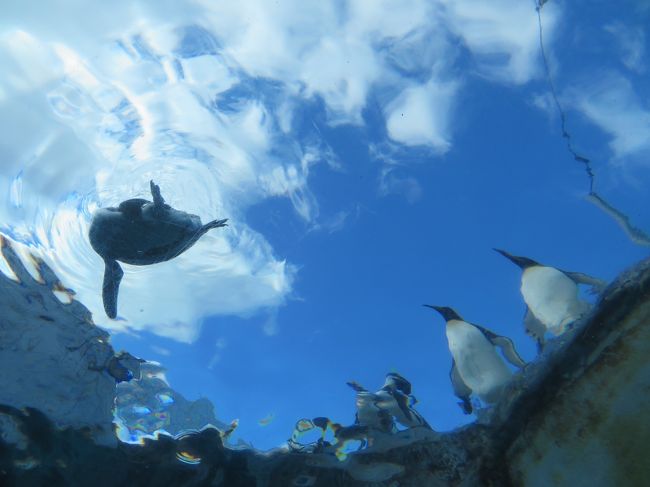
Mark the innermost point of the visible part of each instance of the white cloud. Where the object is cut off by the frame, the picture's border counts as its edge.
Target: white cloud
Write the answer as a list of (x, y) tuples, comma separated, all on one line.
[(631, 42), (160, 350), (29, 63), (334, 224), (502, 35), (310, 46), (271, 326), (544, 102), (214, 360), (612, 104), (391, 183), (219, 345), (341, 50), (420, 115), (200, 96)]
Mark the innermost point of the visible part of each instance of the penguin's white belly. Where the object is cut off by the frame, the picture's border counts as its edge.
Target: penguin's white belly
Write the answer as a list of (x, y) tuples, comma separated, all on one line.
[(368, 413), (386, 401), (552, 297), (477, 361)]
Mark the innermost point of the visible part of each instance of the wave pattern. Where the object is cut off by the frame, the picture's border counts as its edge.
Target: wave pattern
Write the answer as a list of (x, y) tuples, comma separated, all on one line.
[(104, 125)]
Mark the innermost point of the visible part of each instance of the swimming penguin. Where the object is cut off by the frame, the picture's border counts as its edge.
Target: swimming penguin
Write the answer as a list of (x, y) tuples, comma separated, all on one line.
[(551, 296), (141, 232), (476, 366), (394, 398)]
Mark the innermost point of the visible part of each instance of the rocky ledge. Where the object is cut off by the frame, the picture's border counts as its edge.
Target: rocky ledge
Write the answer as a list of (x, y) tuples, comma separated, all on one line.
[(575, 416)]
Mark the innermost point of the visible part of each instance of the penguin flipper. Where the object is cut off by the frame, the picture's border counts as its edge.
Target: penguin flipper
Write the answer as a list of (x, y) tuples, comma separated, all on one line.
[(402, 401), (597, 285), (508, 349), (420, 419), (535, 329), (158, 200), (506, 346), (356, 386), (214, 224), (461, 390), (112, 276)]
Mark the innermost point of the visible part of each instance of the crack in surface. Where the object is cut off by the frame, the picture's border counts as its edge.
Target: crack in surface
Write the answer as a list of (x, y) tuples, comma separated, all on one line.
[(635, 234)]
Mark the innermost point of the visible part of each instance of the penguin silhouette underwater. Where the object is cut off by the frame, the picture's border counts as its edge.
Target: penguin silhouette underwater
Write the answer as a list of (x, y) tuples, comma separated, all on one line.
[(141, 232)]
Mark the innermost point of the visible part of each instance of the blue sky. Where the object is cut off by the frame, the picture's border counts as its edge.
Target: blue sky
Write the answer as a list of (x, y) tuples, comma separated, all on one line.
[(369, 156)]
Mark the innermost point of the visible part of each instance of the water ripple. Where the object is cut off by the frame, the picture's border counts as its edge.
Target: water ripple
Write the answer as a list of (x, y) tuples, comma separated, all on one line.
[(141, 109)]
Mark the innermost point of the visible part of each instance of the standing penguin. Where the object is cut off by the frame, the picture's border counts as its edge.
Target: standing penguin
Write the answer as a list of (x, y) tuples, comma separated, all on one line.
[(551, 296), (476, 366), (141, 232), (393, 400)]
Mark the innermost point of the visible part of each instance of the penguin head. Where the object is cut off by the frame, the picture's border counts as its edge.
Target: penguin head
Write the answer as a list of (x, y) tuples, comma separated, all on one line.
[(446, 312), (396, 381), (321, 422), (132, 209), (522, 262)]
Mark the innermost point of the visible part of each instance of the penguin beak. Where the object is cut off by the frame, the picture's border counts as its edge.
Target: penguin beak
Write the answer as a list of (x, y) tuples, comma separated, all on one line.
[(446, 313), (439, 309), (512, 258)]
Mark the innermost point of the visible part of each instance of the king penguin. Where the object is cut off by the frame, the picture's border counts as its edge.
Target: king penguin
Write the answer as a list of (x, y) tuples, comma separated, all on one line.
[(476, 366), (551, 296), (141, 232), (393, 400)]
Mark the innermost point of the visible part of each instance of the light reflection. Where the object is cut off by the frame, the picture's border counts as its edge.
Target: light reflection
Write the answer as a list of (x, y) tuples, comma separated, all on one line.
[(5, 268), (187, 457), (266, 420), (165, 399), (141, 410), (333, 437), (124, 107), (16, 191)]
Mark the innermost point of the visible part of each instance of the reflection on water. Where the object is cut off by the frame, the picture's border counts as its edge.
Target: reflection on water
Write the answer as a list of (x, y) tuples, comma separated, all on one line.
[(131, 104), (147, 406), (367, 156)]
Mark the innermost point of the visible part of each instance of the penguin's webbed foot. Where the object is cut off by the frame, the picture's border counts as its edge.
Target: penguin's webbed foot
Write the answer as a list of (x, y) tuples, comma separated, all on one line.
[(466, 406), (158, 200), (216, 224)]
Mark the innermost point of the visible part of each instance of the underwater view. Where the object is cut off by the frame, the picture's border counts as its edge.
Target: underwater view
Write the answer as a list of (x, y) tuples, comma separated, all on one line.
[(336, 243)]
